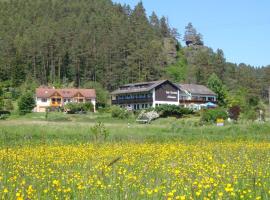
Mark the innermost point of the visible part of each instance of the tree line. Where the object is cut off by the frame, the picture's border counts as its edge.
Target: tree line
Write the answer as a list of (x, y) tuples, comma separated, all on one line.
[(62, 42), (98, 43)]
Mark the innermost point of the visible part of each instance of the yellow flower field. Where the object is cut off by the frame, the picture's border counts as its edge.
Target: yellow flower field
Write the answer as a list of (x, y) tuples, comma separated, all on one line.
[(210, 170)]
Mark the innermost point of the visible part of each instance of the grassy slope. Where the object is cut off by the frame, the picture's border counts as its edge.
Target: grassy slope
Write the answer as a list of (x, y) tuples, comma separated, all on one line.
[(72, 129)]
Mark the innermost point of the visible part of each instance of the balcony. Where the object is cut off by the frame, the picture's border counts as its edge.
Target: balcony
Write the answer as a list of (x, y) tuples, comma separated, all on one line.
[(132, 101), (195, 101), (55, 104)]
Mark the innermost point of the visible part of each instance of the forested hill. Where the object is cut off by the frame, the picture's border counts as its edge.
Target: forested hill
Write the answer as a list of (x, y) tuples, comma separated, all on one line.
[(76, 42), (63, 41)]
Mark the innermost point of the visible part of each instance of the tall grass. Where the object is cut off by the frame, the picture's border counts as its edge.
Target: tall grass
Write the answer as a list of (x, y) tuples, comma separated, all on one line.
[(163, 130)]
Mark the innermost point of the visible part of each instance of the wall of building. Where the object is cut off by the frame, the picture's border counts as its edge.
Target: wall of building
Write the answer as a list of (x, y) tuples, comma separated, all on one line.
[(41, 106), (166, 93)]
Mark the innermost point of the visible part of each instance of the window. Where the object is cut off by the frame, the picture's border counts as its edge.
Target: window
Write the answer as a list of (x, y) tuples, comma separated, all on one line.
[(211, 99), (43, 100)]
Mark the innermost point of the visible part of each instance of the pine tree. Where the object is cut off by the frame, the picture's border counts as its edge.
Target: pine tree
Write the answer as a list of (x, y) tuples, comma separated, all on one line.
[(26, 103), (191, 36), (215, 84)]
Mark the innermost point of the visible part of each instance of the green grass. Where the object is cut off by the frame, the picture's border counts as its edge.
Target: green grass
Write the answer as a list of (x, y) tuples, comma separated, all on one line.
[(150, 161), (73, 129)]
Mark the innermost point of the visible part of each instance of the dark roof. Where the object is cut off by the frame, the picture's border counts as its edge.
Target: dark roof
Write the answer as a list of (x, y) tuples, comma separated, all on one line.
[(66, 93), (139, 87), (196, 89)]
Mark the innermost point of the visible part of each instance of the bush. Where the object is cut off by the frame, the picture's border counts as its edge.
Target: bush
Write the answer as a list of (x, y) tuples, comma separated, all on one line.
[(88, 106), (172, 111), (73, 108), (105, 109), (234, 112), (250, 114), (119, 113), (100, 132), (8, 105), (4, 114), (26, 103), (2, 103), (211, 115)]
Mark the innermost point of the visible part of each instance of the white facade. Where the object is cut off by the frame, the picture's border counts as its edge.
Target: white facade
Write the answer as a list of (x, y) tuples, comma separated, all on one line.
[(43, 103)]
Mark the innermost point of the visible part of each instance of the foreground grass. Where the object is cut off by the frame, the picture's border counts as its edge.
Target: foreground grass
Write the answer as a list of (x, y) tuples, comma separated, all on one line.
[(21, 132), (206, 170), (58, 158)]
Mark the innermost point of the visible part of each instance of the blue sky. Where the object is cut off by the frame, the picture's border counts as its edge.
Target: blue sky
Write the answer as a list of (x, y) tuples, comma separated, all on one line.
[(241, 28)]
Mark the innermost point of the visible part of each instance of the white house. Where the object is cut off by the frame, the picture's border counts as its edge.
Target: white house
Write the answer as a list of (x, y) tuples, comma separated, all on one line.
[(55, 98), (137, 96)]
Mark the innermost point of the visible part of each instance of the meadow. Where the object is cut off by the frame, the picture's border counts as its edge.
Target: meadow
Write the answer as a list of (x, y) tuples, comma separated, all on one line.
[(59, 158)]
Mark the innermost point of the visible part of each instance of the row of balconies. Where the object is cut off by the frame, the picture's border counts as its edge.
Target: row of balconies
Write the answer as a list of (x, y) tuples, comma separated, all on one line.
[(147, 100)]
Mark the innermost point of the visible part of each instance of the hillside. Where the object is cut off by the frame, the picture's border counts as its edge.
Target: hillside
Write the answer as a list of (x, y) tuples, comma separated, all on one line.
[(61, 42), (74, 43)]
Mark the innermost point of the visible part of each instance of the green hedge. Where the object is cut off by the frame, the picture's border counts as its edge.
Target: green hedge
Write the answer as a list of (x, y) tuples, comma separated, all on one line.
[(119, 113), (211, 115), (74, 108)]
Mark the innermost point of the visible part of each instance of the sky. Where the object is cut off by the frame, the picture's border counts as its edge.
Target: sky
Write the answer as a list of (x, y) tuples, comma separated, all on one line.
[(241, 28)]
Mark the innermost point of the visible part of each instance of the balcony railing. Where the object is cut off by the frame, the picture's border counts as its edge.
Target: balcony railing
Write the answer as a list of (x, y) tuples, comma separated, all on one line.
[(201, 101), (56, 104), (131, 101)]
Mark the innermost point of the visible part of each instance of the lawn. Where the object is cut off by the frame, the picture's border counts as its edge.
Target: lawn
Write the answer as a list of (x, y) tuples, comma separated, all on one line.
[(59, 158)]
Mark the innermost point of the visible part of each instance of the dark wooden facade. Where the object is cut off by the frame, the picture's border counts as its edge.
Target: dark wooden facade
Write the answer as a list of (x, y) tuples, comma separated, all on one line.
[(166, 92)]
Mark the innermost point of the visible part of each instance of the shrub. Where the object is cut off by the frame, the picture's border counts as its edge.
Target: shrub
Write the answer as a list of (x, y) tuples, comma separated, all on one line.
[(119, 113), (172, 111), (2, 103), (105, 109), (8, 105), (99, 131), (88, 106), (250, 114), (234, 112), (149, 116), (26, 103), (4, 114), (79, 107), (212, 115)]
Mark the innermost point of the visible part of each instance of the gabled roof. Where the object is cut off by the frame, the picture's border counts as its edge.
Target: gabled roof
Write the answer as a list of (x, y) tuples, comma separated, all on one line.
[(65, 93), (140, 87), (196, 89)]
